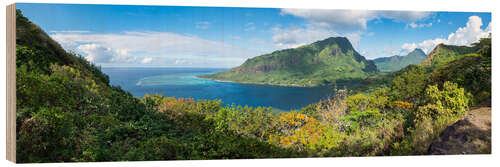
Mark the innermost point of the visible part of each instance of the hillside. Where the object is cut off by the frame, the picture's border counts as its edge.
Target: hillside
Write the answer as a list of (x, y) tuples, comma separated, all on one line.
[(320, 63), (68, 112), (394, 63), (442, 54), (438, 130), (471, 135)]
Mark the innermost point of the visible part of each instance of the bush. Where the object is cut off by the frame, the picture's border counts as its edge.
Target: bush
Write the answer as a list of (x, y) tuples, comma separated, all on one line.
[(410, 85), (443, 107)]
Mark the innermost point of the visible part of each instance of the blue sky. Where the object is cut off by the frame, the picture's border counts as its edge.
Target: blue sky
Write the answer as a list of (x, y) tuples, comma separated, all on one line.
[(174, 36)]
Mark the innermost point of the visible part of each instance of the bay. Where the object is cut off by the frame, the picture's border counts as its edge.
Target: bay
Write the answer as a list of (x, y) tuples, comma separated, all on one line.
[(183, 82)]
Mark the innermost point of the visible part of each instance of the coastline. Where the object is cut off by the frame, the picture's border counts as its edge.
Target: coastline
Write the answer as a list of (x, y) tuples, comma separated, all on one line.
[(258, 83), (284, 85)]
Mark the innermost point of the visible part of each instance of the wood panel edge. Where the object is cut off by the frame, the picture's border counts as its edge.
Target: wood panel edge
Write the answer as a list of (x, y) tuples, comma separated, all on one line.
[(11, 82)]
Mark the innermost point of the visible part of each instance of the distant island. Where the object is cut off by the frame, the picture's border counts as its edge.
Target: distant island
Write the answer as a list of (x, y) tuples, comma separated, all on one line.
[(324, 62)]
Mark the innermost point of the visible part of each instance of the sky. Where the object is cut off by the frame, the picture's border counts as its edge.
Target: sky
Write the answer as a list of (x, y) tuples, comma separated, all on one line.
[(224, 37)]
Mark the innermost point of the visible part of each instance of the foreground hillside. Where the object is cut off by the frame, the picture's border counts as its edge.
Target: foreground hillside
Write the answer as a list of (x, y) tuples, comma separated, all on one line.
[(68, 112), (395, 63), (471, 135), (323, 62)]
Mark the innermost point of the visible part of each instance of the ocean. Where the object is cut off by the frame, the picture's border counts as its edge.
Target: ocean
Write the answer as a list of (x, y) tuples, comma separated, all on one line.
[(183, 82)]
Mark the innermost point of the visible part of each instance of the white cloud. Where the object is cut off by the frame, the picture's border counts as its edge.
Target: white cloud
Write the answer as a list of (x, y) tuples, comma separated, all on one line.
[(128, 46), (334, 18), (147, 60), (426, 45), (327, 23), (294, 37), (352, 19), (414, 25), (100, 54), (488, 29), (472, 32), (404, 16), (203, 25)]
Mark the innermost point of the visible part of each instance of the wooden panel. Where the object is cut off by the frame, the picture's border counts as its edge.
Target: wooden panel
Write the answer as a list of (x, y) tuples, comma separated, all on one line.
[(11, 82)]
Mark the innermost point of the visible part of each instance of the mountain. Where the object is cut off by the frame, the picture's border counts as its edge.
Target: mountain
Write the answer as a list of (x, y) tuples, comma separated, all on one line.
[(445, 53), (394, 63), (44, 51), (320, 63), (450, 75), (445, 61)]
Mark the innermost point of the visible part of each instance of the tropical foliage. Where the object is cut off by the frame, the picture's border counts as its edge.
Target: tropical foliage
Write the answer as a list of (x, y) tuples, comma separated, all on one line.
[(67, 111)]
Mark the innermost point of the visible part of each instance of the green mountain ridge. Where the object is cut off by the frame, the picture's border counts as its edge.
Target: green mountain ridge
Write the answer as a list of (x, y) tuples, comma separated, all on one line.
[(394, 63), (321, 63), (440, 57), (443, 54)]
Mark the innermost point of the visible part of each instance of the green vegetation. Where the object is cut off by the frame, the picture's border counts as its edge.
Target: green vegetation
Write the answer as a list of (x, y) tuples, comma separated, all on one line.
[(67, 111), (395, 63), (329, 61), (443, 54)]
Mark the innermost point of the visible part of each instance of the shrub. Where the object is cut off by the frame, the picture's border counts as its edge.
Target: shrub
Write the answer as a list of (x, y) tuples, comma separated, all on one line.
[(443, 107), (410, 85)]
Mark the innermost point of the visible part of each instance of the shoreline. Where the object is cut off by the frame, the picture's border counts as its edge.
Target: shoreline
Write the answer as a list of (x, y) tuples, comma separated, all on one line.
[(255, 83), (284, 85)]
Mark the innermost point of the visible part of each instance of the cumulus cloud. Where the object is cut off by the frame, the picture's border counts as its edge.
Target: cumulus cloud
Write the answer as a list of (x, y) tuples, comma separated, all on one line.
[(426, 45), (297, 36), (100, 54), (472, 32), (132, 47), (352, 19), (333, 18), (404, 16), (327, 23)]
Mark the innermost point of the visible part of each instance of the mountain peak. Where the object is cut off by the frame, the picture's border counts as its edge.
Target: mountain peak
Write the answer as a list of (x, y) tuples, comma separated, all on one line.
[(418, 50), (342, 42), (323, 62), (394, 63), (443, 53), (336, 39)]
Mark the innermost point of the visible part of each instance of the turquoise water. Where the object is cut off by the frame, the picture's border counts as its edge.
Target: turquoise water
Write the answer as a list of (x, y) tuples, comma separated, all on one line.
[(175, 79), (183, 82)]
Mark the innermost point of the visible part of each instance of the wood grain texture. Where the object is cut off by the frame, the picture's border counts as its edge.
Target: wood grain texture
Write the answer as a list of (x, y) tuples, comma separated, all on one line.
[(11, 82)]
